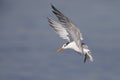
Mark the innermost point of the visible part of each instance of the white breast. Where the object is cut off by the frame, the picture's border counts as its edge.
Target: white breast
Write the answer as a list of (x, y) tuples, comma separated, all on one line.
[(72, 45)]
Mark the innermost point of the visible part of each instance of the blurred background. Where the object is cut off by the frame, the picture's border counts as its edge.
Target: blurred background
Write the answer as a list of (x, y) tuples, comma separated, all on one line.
[(28, 44)]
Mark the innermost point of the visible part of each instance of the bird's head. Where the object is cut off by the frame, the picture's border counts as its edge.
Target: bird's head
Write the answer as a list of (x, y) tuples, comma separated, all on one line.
[(65, 46)]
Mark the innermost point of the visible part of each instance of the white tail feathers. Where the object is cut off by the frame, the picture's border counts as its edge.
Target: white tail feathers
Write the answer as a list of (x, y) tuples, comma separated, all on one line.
[(89, 56)]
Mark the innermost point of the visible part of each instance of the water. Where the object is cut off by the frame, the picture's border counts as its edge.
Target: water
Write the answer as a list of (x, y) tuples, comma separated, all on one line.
[(28, 45)]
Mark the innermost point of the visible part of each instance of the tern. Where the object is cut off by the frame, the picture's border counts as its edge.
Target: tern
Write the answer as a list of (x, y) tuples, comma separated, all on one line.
[(68, 31)]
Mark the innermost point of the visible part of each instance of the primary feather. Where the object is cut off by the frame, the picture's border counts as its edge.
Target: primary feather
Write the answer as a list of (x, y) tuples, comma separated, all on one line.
[(72, 29), (60, 30), (67, 30)]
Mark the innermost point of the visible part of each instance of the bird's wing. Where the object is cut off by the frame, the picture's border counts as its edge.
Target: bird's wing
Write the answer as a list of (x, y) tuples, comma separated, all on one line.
[(72, 29), (59, 29)]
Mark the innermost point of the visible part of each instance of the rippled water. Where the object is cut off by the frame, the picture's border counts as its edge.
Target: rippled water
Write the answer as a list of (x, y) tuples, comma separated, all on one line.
[(28, 45)]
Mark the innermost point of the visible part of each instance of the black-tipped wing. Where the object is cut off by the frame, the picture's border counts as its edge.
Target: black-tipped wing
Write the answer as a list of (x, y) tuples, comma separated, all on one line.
[(72, 29)]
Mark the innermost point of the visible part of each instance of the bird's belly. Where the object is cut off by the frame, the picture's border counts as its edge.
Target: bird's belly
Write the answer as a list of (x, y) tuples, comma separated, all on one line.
[(75, 47)]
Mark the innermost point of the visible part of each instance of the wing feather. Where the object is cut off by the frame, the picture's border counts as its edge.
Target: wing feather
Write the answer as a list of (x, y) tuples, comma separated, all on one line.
[(72, 29), (59, 29)]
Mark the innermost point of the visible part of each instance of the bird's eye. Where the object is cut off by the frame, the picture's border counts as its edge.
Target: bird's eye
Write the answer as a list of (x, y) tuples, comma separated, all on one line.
[(67, 43)]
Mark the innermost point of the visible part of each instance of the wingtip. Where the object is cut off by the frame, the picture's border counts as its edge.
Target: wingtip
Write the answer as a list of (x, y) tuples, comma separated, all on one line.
[(52, 6), (49, 20)]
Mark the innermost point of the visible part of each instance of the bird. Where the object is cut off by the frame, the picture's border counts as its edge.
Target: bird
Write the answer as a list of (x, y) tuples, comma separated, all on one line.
[(69, 32)]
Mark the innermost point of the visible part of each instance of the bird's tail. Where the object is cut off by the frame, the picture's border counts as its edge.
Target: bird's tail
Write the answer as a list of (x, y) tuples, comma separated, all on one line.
[(88, 56)]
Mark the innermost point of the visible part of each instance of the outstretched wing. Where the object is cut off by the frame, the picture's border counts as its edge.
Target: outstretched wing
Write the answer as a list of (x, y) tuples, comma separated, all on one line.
[(59, 29), (71, 28)]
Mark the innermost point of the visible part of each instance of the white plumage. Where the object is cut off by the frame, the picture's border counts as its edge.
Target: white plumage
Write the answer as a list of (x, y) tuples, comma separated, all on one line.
[(60, 30), (67, 30)]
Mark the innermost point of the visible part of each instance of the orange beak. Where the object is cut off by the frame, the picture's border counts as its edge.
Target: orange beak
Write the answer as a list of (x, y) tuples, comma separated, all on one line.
[(60, 49)]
